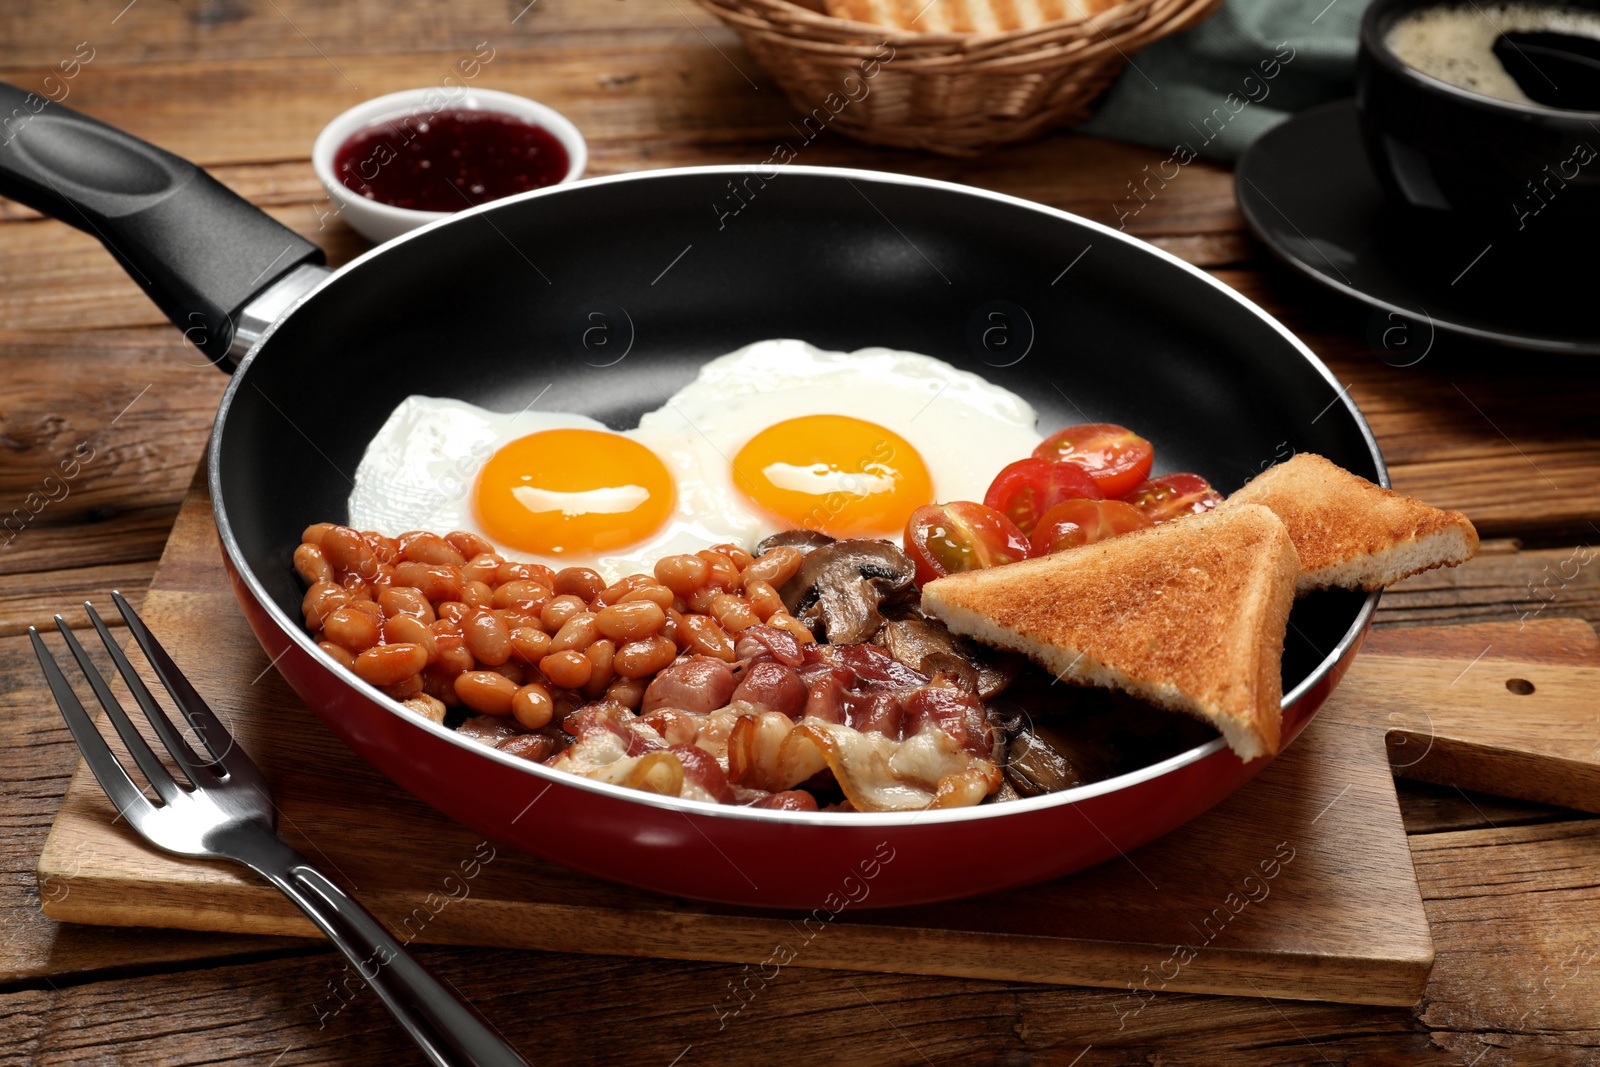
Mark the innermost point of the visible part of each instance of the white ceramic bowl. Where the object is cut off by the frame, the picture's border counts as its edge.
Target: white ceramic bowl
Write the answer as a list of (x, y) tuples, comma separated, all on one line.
[(378, 221)]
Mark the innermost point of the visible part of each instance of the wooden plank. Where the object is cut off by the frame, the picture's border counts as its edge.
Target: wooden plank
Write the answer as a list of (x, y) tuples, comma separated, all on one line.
[(32, 599), (1513, 913), (39, 36)]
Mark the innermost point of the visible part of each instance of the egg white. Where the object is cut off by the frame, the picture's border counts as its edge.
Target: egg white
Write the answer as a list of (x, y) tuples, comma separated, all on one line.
[(418, 471)]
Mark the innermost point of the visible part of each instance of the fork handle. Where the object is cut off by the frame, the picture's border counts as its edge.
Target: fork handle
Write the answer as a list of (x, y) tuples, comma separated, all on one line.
[(448, 1029)]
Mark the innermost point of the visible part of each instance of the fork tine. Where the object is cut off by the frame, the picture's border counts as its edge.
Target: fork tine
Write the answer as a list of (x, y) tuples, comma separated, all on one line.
[(127, 797), (182, 753), (207, 727), (136, 745)]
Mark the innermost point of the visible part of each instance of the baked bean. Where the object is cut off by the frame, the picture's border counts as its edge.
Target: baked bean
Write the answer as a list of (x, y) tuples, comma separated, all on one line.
[(774, 566), (441, 627), (453, 655), (529, 644), (388, 664), (705, 636), (654, 593), (487, 639), (355, 630), (513, 670), (532, 706), (568, 670), (723, 572), (384, 577), (370, 607), (348, 552), (419, 546), (578, 632), (383, 547), (700, 600), (469, 544), (526, 572), (412, 630), (627, 692), (311, 565), (405, 600), (404, 689), (622, 587), (764, 600), (639, 658), (559, 609), (313, 534), (341, 655), (320, 600), (784, 621), (578, 581), (486, 692), (527, 595), (599, 655), (630, 622), (436, 581), (741, 559), (453, 611), (477, 594), (357, 586), (428, 707), (482, 568), (733, 614), (669, 628), (682, 574)]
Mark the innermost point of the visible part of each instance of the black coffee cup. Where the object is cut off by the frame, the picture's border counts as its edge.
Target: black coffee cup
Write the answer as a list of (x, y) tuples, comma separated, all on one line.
[(1527, 175)]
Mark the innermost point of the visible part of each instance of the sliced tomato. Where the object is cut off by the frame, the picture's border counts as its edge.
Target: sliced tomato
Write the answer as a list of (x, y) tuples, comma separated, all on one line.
[(1115, 457), (1173, 495), (963, 535), (1028, 488), (1080, 522)]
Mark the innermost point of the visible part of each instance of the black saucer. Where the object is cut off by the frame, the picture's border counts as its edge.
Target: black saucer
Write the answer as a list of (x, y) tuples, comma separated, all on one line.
[(1306, 190)]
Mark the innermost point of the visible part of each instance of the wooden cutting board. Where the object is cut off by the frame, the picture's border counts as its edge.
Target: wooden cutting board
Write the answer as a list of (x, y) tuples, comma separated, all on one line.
[(1300, 885)]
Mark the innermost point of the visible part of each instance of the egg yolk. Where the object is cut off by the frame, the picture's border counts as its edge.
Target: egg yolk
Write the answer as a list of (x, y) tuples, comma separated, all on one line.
[(839, 475), (560, 492)]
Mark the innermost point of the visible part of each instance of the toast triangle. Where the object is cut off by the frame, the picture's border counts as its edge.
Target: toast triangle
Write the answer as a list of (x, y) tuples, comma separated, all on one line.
[(1352, 533), (1189, 615)]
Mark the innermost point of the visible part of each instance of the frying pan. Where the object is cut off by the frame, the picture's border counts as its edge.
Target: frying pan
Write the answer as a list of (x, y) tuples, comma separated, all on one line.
[(604, 297)]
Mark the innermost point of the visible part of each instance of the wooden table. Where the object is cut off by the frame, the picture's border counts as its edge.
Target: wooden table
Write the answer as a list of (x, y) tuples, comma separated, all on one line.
[(242, 86)]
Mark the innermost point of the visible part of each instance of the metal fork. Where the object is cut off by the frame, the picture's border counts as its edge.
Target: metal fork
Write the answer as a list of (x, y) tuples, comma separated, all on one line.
[(227, 813)]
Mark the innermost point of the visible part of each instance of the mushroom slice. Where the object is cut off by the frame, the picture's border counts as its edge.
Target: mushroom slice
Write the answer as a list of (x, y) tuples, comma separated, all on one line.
[(839, 587), (804, 540), (915, 642)]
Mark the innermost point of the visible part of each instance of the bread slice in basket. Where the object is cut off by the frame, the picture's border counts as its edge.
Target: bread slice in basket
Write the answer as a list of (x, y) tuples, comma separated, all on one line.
[(1189, 615), (1351, 533), (964, 16)]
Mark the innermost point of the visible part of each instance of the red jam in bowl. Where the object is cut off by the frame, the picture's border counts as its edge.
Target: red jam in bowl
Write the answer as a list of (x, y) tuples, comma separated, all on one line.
[(449, 160)]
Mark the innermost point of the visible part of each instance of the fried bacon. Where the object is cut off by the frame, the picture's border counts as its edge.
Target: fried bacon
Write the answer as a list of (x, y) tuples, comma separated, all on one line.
[(786, 715)]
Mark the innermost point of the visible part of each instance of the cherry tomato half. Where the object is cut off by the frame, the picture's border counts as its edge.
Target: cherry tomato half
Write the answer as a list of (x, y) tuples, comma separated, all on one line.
[(1028, 488), (1080, 522), (963, 535), (1172, 495), (1115, 457)]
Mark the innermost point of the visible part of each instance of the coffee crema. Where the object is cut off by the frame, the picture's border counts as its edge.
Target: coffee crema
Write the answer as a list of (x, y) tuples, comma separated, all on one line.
[(1456, 44)]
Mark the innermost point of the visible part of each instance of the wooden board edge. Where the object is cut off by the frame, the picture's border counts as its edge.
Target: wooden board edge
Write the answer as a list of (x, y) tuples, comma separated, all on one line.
[(1392, 980)]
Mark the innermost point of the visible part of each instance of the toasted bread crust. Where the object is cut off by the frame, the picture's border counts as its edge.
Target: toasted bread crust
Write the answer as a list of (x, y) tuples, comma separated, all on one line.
[(1352, 533), (1189, 615)]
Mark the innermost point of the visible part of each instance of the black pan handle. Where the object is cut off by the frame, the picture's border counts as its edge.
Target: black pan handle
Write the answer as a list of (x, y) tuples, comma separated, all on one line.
[(200, 251)]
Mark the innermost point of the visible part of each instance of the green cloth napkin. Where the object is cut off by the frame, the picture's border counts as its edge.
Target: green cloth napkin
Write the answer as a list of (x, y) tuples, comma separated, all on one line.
[(1213, 89)]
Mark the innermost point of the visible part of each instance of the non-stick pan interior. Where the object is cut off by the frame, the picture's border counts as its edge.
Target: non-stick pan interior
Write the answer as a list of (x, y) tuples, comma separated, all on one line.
[(604, 297)]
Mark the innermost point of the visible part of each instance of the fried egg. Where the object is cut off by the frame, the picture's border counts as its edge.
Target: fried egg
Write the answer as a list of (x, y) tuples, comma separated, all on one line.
[(774, 436)]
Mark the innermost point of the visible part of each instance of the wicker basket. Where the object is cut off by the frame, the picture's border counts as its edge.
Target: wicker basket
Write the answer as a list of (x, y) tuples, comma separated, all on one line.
[(952, 93)]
